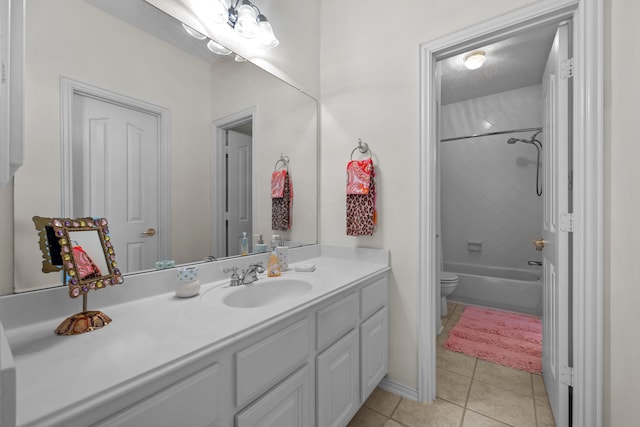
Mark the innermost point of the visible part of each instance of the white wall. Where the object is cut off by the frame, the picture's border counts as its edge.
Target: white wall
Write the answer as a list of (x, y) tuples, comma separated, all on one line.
[(370, 90), (622, 204), (489, 186)]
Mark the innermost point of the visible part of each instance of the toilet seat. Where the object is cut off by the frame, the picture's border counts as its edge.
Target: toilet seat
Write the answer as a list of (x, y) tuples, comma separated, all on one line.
[(446, 277)]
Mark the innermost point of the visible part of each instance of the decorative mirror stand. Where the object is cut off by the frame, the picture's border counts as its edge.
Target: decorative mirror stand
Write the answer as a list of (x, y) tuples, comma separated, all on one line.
[(89, 263)]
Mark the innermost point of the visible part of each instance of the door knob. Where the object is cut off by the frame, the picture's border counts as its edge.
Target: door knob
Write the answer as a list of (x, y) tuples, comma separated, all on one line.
[(539, 244), (150, 232)]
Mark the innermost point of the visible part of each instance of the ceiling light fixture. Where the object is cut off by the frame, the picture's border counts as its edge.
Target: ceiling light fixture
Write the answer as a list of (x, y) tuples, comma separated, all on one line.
[(244, 17), (475, 59)]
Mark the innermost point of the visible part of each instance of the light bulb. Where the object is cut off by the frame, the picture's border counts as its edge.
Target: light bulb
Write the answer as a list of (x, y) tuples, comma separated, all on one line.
[(217, 48), (193, 33), (247, 23), (266, 38), (474, 60)]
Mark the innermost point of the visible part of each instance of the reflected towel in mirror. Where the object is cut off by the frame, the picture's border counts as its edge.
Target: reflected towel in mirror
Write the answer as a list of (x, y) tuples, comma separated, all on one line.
[(281, 200)]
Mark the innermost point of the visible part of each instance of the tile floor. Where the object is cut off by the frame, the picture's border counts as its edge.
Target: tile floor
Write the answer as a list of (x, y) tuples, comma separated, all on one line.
[(470, 393)]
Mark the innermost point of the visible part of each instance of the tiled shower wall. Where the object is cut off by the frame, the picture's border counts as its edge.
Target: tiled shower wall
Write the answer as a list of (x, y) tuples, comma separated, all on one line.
[(488, 186)]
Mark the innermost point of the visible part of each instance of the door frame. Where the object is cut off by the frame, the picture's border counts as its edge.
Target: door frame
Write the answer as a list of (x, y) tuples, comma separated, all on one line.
[(69, 88), (588, 180), (218, 180)]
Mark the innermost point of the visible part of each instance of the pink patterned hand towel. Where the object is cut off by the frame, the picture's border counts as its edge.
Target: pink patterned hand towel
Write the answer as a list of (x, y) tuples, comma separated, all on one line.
[(361, 198), (281, 200)]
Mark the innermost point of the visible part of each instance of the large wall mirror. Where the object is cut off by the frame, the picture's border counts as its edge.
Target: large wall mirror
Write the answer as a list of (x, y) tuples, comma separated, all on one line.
[(128, 118)]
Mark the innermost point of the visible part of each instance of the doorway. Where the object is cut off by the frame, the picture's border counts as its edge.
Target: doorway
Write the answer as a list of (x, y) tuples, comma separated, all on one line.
[(503, 136), (232, 210), (587, 166)]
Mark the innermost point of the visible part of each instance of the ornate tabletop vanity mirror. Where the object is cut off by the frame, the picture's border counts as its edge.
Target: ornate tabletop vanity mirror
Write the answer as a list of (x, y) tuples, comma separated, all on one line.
[(82, 249)]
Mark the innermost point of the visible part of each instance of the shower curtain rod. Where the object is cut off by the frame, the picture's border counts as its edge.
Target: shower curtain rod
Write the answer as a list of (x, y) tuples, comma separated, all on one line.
[(501, 132)]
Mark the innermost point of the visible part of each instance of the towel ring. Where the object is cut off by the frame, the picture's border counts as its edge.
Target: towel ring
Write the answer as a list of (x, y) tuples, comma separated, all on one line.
[(284, 160), (363, 147)]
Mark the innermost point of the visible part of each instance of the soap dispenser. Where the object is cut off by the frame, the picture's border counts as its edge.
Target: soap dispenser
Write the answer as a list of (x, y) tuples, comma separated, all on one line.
[(244, 245), (273, 269), (261, 246)]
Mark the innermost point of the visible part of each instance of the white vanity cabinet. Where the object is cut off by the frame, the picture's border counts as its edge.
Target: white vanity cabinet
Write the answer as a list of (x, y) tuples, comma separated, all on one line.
[(311, 364)]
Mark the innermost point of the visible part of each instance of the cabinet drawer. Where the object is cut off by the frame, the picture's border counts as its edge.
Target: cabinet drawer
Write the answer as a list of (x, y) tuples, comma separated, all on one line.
[(374, 297), (265, 363), (194, 398), (336, 320), (287, 405)]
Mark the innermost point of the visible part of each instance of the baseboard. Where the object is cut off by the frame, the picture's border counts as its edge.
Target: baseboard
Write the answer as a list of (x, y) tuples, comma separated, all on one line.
[(399, 389)]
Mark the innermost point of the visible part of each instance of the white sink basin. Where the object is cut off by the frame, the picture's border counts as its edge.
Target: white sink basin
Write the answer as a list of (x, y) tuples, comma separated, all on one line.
[(273, 290)]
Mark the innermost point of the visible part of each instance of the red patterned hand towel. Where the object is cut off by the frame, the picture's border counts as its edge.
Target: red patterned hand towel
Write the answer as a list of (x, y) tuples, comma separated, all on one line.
[(361, 198)]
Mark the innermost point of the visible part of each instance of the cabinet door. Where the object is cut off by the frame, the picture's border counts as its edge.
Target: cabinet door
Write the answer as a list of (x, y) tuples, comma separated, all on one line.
[(192, 401), (337, 382), (286, 405), (374, 337)]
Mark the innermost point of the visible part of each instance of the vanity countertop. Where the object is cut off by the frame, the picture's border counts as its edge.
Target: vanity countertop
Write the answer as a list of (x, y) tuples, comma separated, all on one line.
[(61, 376)]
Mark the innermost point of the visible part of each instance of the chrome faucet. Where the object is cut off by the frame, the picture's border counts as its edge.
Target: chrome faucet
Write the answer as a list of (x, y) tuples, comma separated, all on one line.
[(248, 276)]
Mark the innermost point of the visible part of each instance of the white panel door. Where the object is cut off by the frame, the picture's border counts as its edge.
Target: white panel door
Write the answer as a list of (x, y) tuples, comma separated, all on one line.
[(115, 175), (555, 254), (239, 203)]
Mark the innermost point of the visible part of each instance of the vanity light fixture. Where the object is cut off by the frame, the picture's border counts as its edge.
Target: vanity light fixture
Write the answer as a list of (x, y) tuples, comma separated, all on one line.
[(475, 59), (244, 17)]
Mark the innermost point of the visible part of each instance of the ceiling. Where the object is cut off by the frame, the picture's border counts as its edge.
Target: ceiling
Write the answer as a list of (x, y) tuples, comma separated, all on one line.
[(511, 64)]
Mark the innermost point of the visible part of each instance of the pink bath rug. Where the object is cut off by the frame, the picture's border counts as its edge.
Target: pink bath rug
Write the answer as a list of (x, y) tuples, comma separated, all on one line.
[(508, 339)]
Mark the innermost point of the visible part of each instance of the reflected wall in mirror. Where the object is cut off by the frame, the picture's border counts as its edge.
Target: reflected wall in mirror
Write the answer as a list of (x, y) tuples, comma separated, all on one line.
[(194, 94)]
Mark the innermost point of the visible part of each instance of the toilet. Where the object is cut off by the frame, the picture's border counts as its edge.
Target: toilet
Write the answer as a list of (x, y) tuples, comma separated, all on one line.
[(448, 283)]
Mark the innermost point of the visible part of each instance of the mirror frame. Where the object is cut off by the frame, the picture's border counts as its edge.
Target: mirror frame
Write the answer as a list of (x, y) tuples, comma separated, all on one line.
[(77, 286)]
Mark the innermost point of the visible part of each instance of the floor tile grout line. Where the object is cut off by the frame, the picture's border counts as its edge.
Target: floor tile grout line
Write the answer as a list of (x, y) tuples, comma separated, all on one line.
[(395, 409)]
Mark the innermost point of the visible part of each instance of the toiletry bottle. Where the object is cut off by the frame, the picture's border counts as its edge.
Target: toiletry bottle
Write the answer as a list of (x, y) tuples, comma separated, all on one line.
[(275, 241), (273, 269), (260, 246), (283, 255), (244, 245)]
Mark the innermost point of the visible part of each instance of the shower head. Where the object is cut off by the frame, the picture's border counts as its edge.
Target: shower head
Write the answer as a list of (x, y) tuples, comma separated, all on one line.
[(512, 140)]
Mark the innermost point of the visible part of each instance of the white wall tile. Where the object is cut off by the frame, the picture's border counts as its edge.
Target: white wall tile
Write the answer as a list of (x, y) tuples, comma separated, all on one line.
[(488, 186)]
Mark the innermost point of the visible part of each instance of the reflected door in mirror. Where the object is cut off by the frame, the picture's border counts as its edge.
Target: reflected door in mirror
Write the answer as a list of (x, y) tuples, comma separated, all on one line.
[(115, 175), (239, 196)]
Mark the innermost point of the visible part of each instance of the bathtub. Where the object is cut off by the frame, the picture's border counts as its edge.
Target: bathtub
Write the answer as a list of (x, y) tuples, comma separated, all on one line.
[(497, 287)]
